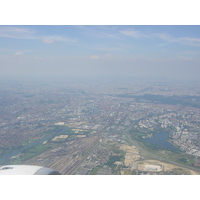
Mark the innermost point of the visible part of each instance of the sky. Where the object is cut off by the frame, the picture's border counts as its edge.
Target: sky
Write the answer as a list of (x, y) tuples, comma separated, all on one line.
[(126, 51)]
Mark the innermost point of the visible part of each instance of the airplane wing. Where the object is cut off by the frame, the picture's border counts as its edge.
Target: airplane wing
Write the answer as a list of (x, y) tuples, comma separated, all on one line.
[(26, 170)]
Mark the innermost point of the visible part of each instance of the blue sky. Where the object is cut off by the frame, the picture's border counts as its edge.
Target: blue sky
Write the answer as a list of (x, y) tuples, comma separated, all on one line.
[(148, 52)]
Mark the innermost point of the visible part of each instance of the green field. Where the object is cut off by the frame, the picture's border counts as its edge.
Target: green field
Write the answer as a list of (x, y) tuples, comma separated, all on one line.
[(64, 130), (94, 171), (28, 142), (36, 150), (113, 159)]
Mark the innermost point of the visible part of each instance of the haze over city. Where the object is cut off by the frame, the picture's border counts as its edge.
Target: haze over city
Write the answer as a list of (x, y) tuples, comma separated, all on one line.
[(147, 52)]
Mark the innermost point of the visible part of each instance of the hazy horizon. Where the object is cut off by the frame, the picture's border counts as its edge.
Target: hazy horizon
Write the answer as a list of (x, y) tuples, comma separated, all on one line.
[(139, 52)]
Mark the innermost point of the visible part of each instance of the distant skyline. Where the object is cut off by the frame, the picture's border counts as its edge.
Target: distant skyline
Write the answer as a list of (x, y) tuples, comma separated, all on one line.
[(146, 52)]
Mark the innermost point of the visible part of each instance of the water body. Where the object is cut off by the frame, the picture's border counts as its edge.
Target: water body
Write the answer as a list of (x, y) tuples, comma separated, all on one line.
[(160, 139), (5, 159), (93, 108)]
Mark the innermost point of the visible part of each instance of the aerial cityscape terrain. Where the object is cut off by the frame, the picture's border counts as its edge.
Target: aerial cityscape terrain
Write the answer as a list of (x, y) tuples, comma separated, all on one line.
[(101, 99), (101, 127)]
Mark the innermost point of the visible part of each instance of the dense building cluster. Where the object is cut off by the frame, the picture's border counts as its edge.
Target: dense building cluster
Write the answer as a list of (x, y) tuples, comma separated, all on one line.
[(27, 111)]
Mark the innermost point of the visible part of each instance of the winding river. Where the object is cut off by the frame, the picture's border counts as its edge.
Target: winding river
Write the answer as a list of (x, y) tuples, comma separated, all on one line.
[(9, 154)]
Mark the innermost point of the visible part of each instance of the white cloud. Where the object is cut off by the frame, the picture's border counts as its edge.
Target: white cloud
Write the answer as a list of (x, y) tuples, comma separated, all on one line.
[(48, 40), (182, 40), (99, 31), (189, 41), (134, 34), (26, 33), (38, 58), (51, 39), (16, 32), (163, 36), (94, 57), (19, 53)]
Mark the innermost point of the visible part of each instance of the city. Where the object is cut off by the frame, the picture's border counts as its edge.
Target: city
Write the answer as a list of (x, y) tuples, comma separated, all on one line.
[(108, 127)]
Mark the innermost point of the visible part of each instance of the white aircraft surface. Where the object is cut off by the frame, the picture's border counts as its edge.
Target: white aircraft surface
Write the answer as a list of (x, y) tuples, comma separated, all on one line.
[(26, 170)]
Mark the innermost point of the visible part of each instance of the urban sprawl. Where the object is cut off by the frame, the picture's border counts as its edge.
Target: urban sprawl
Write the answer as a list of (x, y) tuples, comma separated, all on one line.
[(108, 127)]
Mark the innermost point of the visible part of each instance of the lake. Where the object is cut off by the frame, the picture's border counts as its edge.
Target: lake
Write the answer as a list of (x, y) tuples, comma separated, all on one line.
[(160, 139)]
